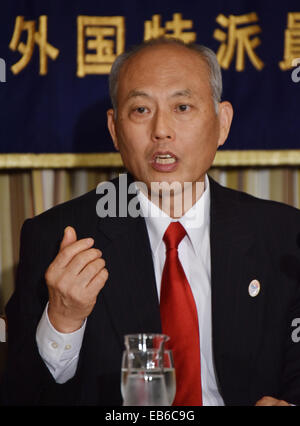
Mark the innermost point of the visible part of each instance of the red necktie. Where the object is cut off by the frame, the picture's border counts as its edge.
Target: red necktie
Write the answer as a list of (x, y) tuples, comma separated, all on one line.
[(180, 321)]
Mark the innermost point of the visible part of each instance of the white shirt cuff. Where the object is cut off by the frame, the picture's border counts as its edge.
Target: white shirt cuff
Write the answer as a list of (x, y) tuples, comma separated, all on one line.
[(59, 351)]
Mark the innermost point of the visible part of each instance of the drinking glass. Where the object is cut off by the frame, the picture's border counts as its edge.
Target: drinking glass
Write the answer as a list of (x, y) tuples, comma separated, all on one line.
[(148, 376), (169, 373)]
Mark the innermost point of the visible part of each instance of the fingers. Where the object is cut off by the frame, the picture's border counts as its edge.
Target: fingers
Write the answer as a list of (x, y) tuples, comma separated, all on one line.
[(68, 238), (268, 401), (90, 271), (76, 262), (73, 258), (69, 250), (85, 262), (97, 283), (74, 279)]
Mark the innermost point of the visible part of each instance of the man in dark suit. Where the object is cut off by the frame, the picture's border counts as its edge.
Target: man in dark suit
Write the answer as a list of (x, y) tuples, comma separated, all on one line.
[(84, 281)]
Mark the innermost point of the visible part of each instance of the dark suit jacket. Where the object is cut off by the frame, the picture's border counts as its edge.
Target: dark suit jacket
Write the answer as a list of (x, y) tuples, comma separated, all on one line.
[(254, 353)]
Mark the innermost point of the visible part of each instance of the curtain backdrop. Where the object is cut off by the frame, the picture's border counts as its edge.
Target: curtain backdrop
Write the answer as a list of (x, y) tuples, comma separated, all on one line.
[(26, 193)]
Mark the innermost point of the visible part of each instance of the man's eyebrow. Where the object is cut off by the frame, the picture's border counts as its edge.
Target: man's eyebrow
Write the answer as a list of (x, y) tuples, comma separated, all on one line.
[(184, 92), (136, 93)]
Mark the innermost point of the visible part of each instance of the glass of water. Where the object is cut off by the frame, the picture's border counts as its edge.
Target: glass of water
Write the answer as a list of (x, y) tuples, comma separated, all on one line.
[(148, 375), (169, 373)]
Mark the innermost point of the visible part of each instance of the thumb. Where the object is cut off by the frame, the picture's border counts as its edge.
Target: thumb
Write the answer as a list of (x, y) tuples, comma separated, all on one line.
[(68, 238)]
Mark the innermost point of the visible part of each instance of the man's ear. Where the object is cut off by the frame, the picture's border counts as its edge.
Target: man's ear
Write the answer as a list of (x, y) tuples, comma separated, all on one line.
[(225, 117), (112, 127)]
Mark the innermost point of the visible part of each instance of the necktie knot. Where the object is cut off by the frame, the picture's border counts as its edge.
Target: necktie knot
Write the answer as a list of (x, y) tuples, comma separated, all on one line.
[(173, 235)]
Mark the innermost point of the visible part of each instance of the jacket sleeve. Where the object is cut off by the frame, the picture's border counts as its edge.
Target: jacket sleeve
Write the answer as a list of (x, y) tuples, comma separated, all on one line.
[(290, 264), (27, 380)]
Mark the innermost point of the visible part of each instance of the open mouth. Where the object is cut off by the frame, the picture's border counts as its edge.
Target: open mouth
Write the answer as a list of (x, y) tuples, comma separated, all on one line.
[(164, 159)]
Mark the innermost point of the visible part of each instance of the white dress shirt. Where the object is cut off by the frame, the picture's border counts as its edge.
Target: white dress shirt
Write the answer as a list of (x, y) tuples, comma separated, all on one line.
[(60, 351)]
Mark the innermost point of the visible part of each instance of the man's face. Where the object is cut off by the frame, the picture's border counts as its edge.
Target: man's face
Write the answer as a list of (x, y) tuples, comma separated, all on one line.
[(167, 129)]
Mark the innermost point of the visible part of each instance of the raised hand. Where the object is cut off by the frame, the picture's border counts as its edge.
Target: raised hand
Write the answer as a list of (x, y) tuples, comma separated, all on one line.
[(74, 280)]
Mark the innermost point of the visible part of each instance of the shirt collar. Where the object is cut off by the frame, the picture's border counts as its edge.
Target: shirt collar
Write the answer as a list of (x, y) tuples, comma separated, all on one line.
[(195, 220)]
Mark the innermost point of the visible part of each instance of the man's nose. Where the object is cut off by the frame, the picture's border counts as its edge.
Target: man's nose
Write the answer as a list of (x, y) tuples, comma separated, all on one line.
[(162, 127)]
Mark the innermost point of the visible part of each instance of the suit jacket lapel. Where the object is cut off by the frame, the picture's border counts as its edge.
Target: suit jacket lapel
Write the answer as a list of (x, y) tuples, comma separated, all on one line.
[(235, 315), (130, 293)]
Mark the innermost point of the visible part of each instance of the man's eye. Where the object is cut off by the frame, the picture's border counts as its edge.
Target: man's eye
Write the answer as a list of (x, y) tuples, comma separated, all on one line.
[(183, 107), (141, 110)]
